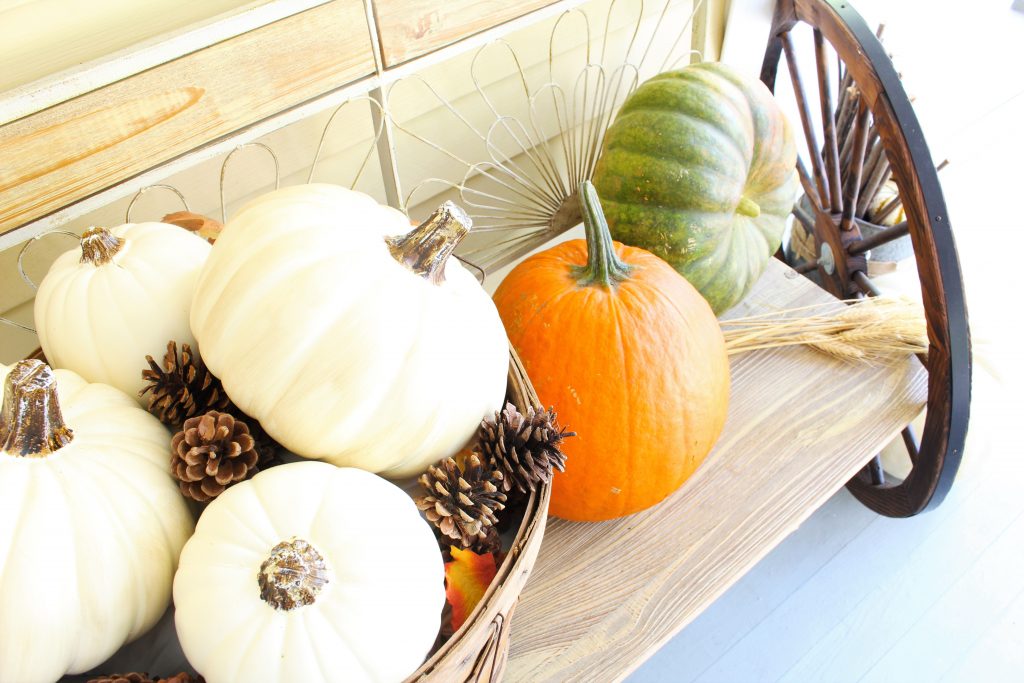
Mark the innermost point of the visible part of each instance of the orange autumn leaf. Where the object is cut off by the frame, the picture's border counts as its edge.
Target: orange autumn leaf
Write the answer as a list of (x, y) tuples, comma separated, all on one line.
[(467, 577)]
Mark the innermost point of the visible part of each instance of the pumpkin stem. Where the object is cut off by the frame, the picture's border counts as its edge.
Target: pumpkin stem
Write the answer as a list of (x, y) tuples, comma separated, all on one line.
[(748, 207), (426, 248), (31, 424), (99, 246), (292, 575), (604, 268)]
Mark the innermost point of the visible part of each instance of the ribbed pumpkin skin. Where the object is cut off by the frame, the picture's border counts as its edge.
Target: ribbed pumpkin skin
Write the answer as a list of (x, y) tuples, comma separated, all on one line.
[(639, 371), (89, 536), (682, 152)]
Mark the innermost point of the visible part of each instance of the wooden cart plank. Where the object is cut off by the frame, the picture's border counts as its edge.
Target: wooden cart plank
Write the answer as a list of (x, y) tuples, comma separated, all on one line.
[(70, 151), (410, 28), (603, 597)]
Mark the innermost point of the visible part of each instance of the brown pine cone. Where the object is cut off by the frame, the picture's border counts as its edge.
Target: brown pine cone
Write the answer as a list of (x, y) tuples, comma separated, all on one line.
[(268, 449), (490, 543), (182, 388), (524, 448), (136, 677), (462, 501), (210, 453)]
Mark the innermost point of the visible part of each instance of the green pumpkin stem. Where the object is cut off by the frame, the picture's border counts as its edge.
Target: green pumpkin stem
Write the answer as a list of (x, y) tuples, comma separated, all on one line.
[(99, 246), (748, 207), (425, 249), (31, 424), (604, 268)]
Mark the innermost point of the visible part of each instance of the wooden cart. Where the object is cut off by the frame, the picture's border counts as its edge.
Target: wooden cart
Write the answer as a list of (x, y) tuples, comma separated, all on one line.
[(601, 597)]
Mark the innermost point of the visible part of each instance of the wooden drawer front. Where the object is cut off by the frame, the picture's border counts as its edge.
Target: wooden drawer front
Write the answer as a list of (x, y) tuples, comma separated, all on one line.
[(410, 28), (72, 150)]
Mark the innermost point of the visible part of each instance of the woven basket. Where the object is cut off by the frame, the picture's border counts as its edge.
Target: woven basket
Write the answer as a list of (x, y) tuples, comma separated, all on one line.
[(479, 650)]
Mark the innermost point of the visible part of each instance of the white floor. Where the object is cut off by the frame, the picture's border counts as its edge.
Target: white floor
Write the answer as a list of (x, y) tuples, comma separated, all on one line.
[(852, 596)]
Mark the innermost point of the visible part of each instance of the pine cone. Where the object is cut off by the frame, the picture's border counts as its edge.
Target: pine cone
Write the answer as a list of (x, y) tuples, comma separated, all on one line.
[(462, 501), (524, 448), (269, 450), (490, 543), (183, 388), (210, 453), (136, 677)]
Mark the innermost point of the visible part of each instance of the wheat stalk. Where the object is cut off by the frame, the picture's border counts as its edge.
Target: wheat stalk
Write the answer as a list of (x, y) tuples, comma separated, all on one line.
[(881, 329)]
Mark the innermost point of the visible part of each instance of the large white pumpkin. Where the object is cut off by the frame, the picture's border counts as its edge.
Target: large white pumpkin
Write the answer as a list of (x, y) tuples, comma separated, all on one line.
[(309, 572), (123, 294), (90, 528), (369, 352)]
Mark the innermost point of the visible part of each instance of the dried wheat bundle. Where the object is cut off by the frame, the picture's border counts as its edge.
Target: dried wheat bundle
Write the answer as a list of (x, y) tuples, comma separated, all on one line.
[(873, 330)]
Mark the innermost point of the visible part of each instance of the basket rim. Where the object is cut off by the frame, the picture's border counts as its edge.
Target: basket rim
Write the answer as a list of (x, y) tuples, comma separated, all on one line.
[(531, 532)]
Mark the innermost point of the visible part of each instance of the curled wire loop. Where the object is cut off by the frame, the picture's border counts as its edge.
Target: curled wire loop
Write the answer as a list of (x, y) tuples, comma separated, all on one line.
[(149, 188), (224, 170), (377, 110)]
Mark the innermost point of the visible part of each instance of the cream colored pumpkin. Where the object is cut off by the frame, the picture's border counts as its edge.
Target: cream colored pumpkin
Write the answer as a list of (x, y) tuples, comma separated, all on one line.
[(309, 572), (341, 351), (90, 529), (123, 294)]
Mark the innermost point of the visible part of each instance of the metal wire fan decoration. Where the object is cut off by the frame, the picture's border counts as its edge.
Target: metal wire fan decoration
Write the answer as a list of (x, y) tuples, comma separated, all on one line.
[(536, 147)]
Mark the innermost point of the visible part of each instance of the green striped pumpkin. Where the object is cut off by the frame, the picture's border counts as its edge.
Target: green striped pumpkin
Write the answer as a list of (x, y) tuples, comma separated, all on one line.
[(699, 168)]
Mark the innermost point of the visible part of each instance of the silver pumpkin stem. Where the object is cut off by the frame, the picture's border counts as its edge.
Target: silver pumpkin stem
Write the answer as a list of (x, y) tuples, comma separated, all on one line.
[(425, 249), (31, 424)]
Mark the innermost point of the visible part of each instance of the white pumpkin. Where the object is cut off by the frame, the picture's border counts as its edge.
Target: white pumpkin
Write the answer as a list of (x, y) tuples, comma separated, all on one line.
[(348, 345), (123, 294), (309, 572), (91, 523)]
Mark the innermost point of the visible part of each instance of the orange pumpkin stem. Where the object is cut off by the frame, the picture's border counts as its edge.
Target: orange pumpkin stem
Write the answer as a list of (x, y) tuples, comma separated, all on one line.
[(31, 424), (604, 268), (426, 248)]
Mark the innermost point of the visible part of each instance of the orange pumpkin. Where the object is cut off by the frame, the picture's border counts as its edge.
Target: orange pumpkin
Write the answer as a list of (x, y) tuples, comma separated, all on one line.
[(631, 356)]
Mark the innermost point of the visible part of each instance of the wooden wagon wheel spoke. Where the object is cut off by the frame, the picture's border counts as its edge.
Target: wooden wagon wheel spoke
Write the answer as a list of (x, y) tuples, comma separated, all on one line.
[(876, 174), (806, 219), (865, 284), (809, 191), (828, 124), (805, 119), (875, 472), (871, 106), (888, 209), (883, 236), (860, 141), (910, 443)]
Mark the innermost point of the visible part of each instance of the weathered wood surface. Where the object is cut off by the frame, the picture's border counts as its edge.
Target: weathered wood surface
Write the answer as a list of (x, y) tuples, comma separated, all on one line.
[(411, 28), (77, 148), (603, 597)]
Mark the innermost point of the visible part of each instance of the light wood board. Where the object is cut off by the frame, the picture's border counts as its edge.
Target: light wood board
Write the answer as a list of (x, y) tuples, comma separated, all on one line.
[(75, 149), (410, 28), (603, 597)]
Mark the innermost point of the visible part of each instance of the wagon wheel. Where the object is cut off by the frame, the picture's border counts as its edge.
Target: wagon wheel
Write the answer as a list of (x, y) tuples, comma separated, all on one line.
[(882, 109)]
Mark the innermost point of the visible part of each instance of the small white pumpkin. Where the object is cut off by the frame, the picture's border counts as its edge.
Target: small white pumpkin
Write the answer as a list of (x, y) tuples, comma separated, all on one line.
[(309, 572), (91, 523), (348, 339), (123, 294)]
